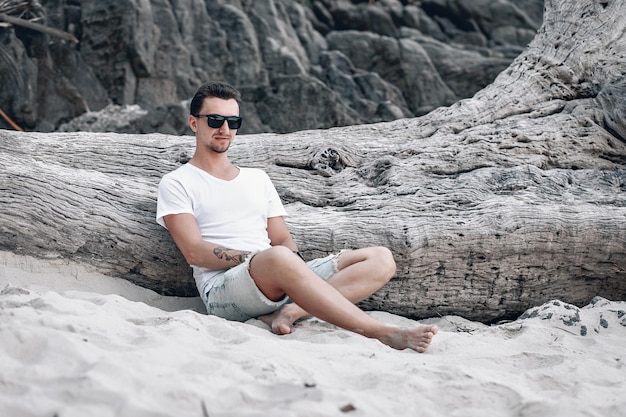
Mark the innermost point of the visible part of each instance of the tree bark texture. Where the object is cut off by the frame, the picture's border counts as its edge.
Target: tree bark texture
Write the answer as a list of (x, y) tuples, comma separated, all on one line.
[(493, 205)]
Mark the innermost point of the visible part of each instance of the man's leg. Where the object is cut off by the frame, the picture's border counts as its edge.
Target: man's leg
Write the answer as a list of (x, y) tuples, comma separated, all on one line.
[(277, 271), (360, 274)]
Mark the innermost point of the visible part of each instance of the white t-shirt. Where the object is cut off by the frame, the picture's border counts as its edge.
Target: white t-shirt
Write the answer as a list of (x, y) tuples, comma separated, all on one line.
[(232, 214)]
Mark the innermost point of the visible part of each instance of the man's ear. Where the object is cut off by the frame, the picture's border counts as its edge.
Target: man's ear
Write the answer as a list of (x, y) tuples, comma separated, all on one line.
[(193, 123)]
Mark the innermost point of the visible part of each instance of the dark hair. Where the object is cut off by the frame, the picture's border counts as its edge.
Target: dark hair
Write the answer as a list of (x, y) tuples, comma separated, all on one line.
[(212, 89)]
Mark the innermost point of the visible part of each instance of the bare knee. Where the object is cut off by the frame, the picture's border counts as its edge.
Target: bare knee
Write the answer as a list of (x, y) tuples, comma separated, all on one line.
[(278, 253), (274, 257), (384, 257), (273, 270), (380, 261)]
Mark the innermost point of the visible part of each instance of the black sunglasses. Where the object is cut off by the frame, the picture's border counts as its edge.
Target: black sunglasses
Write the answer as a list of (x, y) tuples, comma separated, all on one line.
[(216, 121)]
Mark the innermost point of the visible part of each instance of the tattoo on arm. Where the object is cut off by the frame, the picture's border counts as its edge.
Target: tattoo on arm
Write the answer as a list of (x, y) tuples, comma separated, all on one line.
[(231, 255)]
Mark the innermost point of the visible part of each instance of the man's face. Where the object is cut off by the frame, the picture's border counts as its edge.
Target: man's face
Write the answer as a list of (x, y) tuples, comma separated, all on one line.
[(216, 140)]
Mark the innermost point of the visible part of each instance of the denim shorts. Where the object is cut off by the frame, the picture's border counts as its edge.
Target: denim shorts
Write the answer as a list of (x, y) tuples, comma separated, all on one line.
[(235, 296)]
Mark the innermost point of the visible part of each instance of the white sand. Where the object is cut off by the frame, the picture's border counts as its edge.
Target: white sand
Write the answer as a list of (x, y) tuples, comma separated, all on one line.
[(74, 343)]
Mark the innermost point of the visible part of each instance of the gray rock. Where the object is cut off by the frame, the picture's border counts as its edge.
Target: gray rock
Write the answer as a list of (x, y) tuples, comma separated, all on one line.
[(402, 59)]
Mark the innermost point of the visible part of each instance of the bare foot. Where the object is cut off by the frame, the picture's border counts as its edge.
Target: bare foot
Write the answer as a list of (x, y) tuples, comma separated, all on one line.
[(282, 321), (417, 338)]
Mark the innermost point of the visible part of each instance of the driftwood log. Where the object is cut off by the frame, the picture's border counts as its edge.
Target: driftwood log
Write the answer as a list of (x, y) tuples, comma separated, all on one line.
[(493, 205)]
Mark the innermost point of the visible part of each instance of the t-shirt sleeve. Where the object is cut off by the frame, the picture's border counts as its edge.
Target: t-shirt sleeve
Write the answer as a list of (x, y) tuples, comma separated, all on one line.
[(275, 208), (172, 198)]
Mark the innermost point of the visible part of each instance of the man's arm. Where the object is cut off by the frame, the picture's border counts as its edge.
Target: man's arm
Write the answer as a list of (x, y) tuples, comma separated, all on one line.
[(279, 233), (186, 234)]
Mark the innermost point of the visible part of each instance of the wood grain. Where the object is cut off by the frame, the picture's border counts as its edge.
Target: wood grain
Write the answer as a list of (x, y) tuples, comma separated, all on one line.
[(491, 206)]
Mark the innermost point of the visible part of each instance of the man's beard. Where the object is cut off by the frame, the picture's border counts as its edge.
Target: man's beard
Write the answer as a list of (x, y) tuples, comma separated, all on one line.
[(219, 147)]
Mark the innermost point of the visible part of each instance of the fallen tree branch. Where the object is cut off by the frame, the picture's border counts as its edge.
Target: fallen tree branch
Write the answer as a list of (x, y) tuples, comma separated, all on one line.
[(491, 206), (38, 27)]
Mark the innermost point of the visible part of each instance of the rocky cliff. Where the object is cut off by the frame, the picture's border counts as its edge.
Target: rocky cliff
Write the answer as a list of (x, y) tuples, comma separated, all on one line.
[(299, 64)]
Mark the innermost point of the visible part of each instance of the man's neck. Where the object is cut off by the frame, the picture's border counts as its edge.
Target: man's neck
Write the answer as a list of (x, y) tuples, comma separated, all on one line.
[(217, 165)]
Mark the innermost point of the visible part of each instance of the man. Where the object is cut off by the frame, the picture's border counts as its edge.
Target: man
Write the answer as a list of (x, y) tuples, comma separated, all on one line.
[(228, 222)]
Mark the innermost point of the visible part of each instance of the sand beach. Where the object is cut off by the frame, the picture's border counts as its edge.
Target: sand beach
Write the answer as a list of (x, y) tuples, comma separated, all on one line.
[(77, 343)]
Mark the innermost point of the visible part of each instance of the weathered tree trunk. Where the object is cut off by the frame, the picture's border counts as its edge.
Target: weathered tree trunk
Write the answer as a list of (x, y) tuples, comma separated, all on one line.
[(493, 205)]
